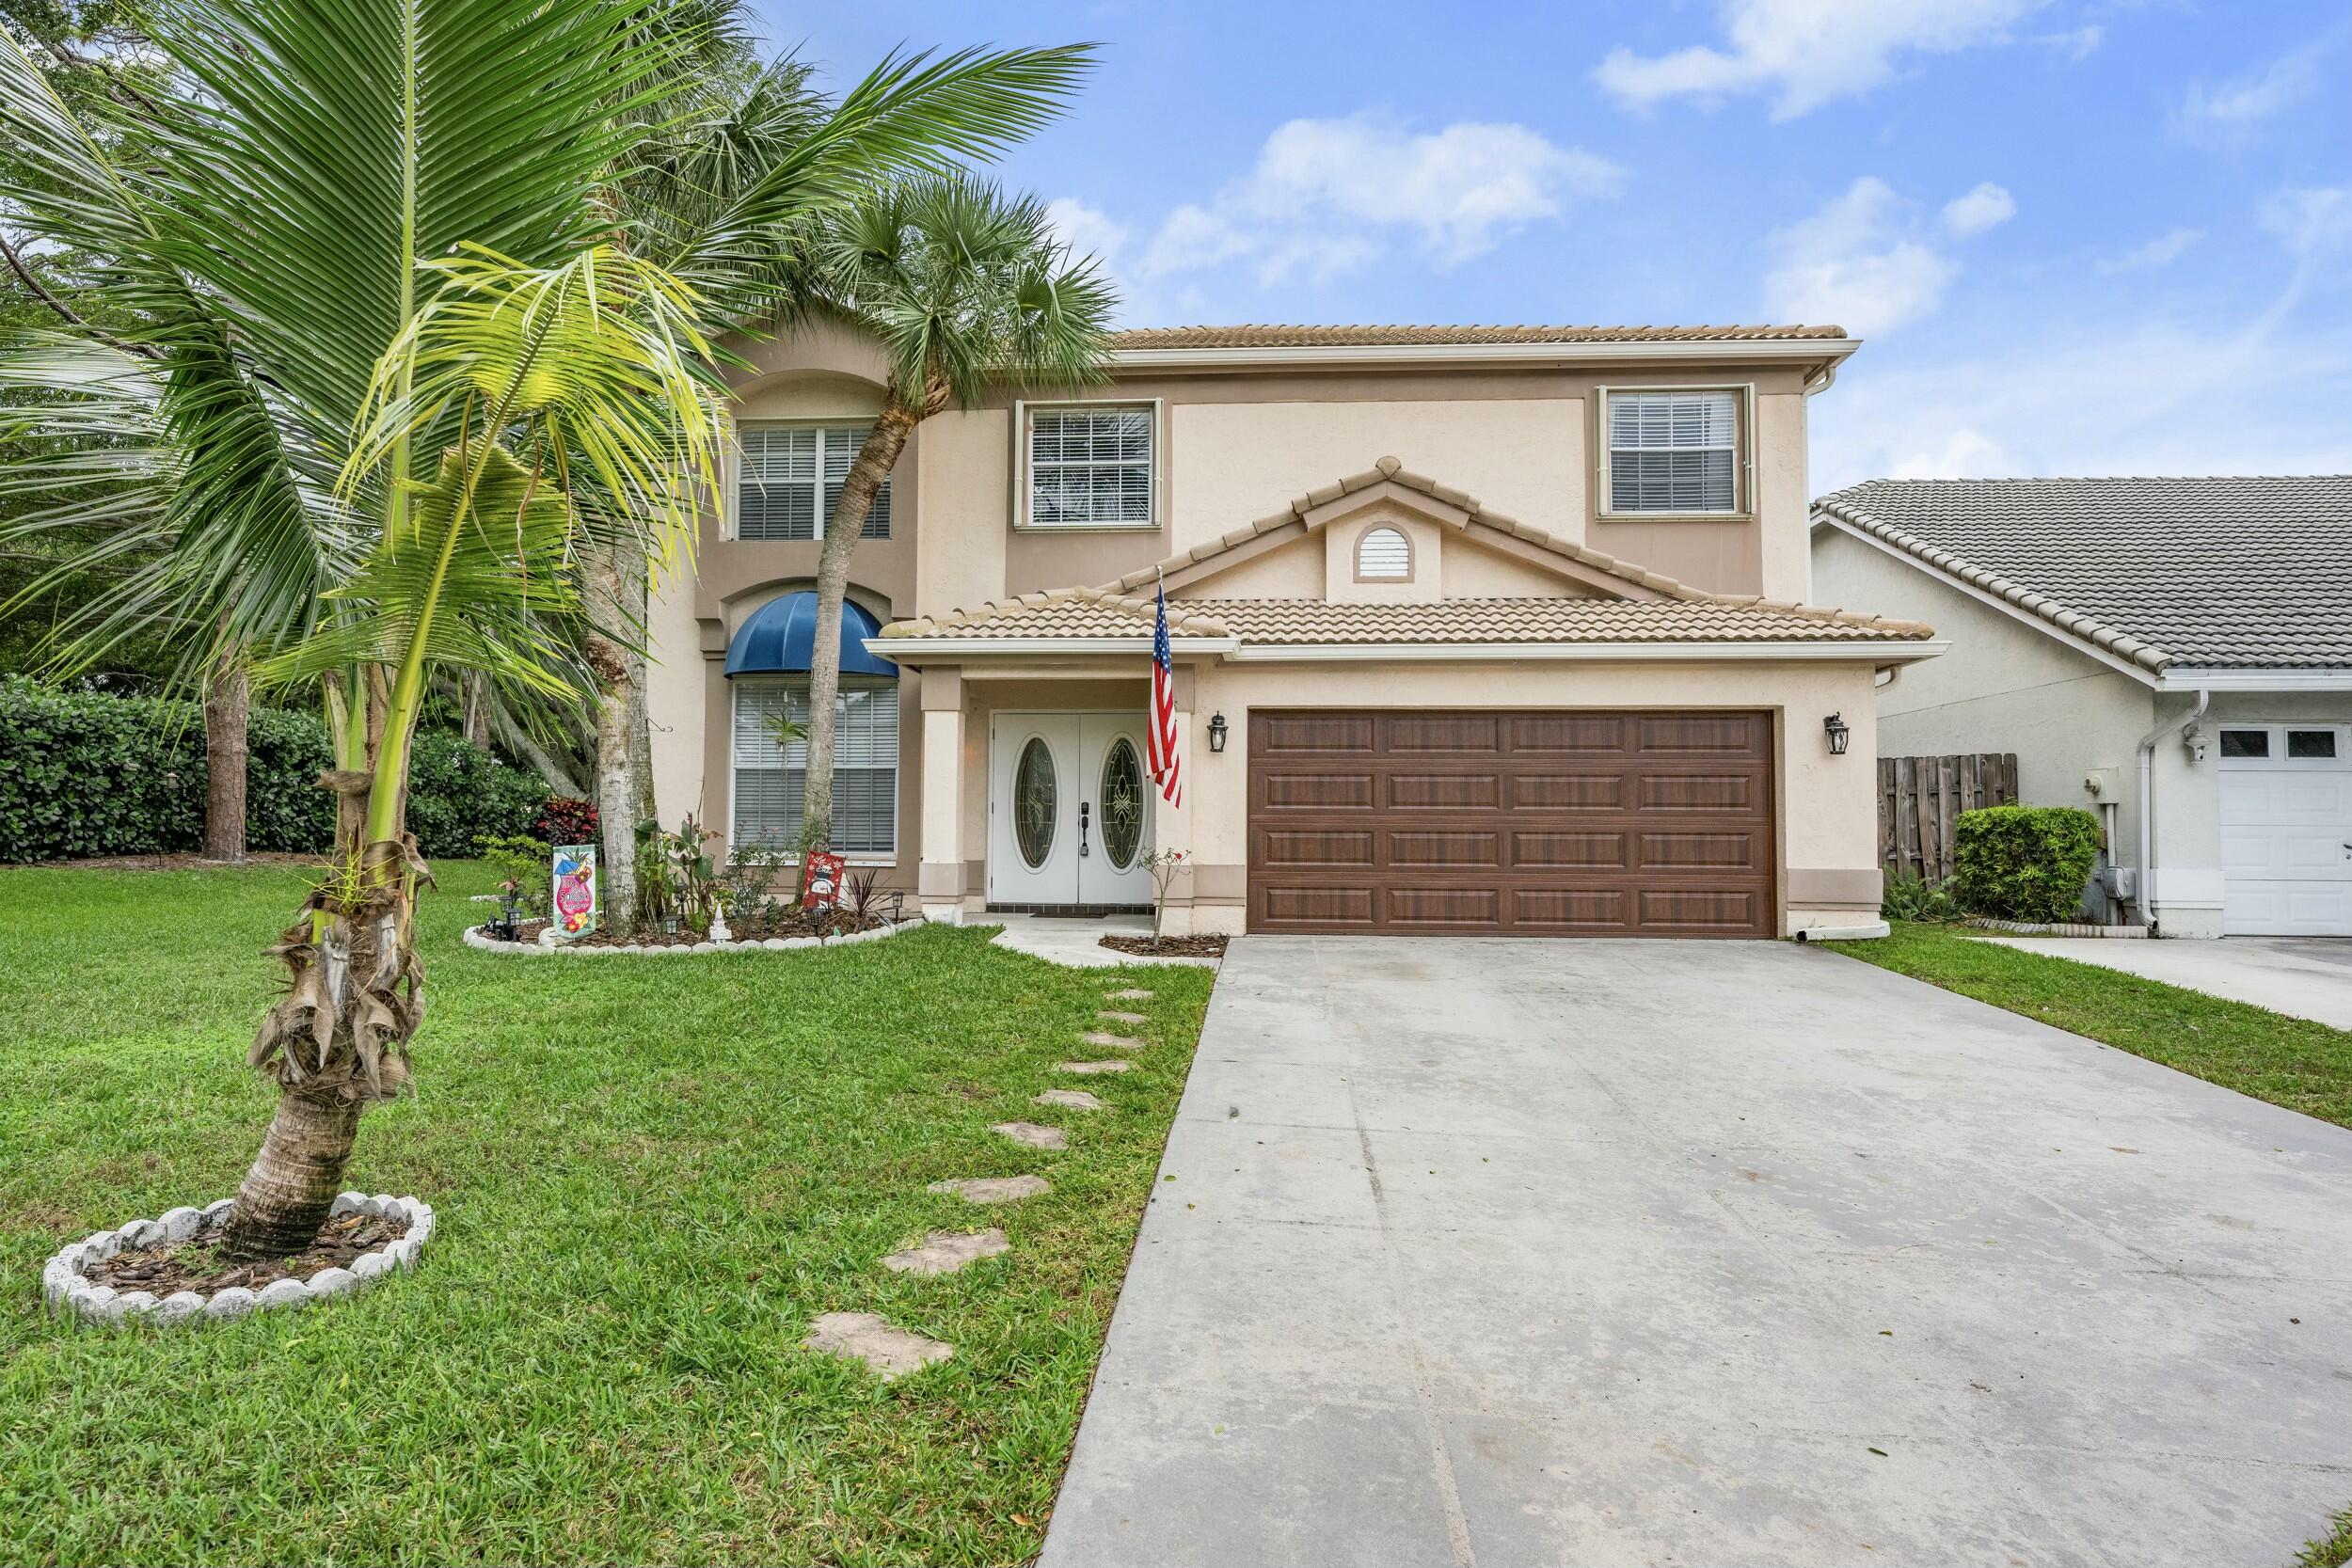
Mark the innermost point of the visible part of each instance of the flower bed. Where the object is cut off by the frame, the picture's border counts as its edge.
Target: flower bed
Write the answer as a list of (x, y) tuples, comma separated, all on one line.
[(530, 939), (104, 1278)]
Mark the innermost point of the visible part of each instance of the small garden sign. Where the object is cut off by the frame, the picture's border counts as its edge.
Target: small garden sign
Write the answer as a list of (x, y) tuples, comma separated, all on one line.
[(573, 896)]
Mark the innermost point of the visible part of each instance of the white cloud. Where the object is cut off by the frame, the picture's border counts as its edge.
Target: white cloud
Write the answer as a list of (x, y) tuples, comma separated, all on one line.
[(2231, 111), (2079, 44), (1858, 263), (1806, 53), (1326, 196), (2310, 221), (1987, 206), (2163, 250), (2153, 396), (1086, 231)]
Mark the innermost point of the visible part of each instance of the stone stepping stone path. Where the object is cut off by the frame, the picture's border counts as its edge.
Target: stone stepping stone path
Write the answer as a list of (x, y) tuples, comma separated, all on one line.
[(1031, 1134), (946, 1251), (1133, 994), (1088, 1068), (1108, 1041), (892, 1353), (995, 1189), (1078, 1099), (1111, 1014)]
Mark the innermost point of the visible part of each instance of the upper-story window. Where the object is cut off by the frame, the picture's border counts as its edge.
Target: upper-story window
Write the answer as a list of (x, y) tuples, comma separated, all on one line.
[(1091, 466), (1384, 555), (790, 478), (1674, 449)]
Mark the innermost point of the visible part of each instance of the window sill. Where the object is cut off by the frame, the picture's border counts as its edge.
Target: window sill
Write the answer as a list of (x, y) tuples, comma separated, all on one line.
[(1676, 516), (1086, 528)]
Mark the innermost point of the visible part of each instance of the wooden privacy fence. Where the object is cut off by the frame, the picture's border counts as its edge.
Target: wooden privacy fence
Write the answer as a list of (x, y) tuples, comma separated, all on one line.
[(1919, 798)]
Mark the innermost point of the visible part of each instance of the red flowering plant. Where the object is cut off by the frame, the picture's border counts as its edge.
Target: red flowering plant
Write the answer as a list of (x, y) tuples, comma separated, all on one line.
[(566, 819)]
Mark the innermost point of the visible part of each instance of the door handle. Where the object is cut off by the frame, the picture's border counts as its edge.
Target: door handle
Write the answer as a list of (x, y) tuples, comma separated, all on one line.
[(1083, 807)]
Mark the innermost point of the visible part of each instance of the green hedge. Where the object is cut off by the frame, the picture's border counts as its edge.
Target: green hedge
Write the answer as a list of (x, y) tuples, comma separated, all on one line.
[(2024, 862), (84, 774)]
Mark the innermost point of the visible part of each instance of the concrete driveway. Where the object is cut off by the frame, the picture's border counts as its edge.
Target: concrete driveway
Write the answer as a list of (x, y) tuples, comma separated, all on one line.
[(2301, 976), (1535, 1252)]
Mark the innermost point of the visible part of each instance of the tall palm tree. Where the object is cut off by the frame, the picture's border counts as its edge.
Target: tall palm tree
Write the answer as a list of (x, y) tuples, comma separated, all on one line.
[(967, 290), (344, 214)]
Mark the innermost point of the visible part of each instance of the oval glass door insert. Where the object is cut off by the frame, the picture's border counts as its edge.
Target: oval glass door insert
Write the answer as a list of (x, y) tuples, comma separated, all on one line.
[(1035, 801), (1122, 803)]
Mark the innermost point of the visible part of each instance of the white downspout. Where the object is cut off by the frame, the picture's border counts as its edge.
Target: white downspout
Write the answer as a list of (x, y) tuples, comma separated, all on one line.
[(2145, 875)]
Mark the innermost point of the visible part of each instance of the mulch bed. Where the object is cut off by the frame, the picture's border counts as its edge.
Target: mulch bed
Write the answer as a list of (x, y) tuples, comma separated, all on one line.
[(196, 1266), (794, 921), (1169, 947)]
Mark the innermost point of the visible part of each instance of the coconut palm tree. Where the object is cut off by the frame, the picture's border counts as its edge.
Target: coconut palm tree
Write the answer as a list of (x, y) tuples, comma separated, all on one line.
[(967, 290), (395, 357)]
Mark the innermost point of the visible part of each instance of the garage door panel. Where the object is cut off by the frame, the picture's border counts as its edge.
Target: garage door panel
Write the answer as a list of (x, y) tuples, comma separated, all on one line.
[(1712, 793), (1591, 734), (1568, 791), (1541, 850), (1568, 912), (1445, 791), (1676, 851), (1410, 735), (1420, 850), (1324, 905), (1557, 823), (1459, 908), (1296, 791), (1289, 848)]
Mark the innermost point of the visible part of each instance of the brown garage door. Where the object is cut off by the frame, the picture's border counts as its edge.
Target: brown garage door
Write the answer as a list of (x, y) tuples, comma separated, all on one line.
[(1541, 823)]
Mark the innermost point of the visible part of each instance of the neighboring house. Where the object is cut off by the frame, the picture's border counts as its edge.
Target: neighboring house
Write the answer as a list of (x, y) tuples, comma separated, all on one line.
[(1477, 629), (2201, 624)]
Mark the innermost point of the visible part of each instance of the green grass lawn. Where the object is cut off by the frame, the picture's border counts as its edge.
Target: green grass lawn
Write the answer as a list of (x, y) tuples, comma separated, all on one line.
[(2292, 1062), (649, 1176)]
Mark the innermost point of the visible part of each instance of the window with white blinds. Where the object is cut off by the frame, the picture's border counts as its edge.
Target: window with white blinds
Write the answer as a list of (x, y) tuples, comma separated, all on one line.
[(1090, 466), (1676, 450), (771, 782), (778, 492)]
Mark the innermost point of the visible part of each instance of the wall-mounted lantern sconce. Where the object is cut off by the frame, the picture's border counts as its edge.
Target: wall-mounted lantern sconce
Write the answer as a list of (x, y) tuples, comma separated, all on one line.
[(1835, 727), (1216, 731)]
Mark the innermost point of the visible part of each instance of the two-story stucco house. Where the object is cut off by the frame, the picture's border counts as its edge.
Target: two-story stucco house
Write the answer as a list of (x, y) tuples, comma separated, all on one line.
[(1477, 629)]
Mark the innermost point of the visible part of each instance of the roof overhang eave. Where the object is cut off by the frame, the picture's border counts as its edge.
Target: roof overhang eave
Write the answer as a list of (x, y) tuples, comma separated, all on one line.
[(2185, 677), (1880, 654), (1807, 351)]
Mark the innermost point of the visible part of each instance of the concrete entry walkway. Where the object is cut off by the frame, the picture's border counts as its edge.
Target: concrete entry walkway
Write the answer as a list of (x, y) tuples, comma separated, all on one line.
[(2301, 976), (1535, 1252)]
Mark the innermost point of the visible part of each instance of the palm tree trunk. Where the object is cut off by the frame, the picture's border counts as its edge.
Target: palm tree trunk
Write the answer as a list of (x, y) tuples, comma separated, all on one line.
[(294, 1181), (228, 705), (616, 575), (875, 460)]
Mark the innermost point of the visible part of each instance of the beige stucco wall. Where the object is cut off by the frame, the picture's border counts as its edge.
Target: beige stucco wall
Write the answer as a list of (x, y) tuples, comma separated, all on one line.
[(1231, 464)]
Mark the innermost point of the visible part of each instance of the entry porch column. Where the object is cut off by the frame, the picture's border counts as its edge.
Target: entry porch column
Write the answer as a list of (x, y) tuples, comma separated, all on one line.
[(938, 887)]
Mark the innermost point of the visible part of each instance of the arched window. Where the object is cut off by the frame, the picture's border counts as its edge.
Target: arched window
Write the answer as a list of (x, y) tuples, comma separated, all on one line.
[(767, 666), (1384, 555)]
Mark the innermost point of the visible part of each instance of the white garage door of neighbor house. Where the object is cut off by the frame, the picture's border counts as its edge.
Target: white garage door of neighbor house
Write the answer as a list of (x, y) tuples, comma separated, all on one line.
[(2286, 829)]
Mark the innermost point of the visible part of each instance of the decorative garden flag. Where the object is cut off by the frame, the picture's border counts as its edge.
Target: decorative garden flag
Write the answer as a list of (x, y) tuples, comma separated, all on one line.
[(1159, 742), (820, 879), (576, 892)]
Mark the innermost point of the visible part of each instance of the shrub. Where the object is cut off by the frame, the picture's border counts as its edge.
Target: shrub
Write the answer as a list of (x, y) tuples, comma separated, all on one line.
[(568, 819), (85, 774), (527, 863), (1918, 899), (2024, 862)]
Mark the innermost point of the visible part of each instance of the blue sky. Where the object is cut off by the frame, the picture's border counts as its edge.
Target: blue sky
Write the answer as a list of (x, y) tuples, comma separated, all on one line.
[(2080, 236)]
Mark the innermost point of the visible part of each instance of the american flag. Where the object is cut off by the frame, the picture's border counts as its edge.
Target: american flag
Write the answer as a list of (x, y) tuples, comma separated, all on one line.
[(1160, 743)]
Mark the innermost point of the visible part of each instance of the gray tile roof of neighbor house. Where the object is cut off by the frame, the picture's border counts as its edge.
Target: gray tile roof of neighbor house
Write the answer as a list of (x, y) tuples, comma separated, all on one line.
[(2250, 573)]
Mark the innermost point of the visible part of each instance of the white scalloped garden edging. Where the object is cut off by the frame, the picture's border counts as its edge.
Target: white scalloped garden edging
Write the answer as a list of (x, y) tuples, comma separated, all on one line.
[(66, 1289), (474, 938)]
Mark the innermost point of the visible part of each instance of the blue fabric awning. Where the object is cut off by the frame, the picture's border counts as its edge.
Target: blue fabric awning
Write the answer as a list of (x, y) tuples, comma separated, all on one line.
[(782, 633)]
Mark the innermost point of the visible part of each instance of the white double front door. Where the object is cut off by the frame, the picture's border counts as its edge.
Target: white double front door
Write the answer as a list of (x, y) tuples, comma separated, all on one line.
[(1069, 809)]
